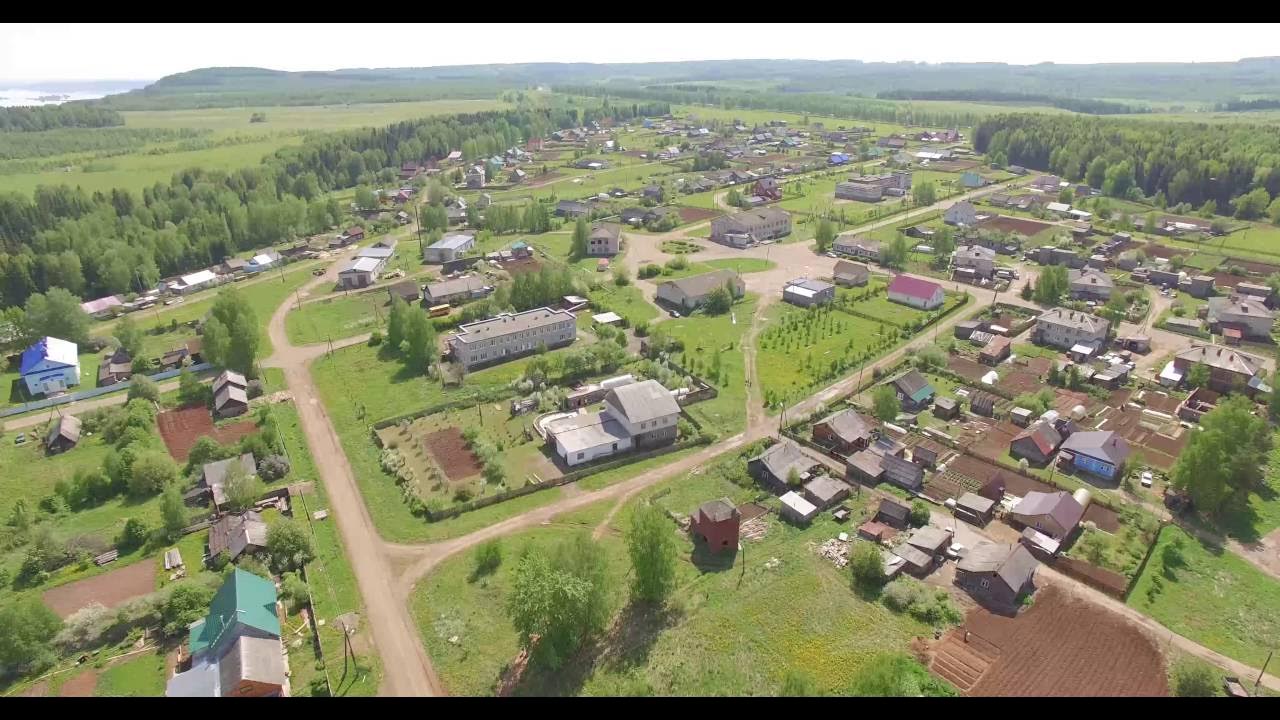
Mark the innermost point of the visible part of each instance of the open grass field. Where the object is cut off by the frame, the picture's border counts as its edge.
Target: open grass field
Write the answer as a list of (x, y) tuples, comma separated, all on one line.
[(628, 301), (726, 632), (1210, 596), (702, 336), (141, 675), (337, 317), (230, 141)]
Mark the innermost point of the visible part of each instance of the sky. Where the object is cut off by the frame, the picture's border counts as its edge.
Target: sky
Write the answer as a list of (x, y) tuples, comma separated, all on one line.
[(32, 53)]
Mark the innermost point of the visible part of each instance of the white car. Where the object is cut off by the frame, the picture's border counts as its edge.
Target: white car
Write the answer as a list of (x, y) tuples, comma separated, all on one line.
[(1147, 479), (955, 551)]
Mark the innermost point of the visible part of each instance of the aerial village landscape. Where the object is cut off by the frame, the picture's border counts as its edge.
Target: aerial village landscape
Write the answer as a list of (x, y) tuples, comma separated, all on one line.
[(589, 389)]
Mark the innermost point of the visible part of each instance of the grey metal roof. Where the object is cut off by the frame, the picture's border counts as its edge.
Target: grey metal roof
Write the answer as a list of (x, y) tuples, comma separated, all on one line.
[(1013, 564), (1090, 277), (376, 252), (700, 285), (452, 242), (505, 324), (1074, 319), (229, 376), (848, 425), (893, 509), (215, 474), (816, 286), (587, 431), (643, 401), (457, 286), (1061, 506), (929, 539), (784, 456), (913, 555), (826, 488), (235, 533), (229, 393), (976, 503), (1100, 444)]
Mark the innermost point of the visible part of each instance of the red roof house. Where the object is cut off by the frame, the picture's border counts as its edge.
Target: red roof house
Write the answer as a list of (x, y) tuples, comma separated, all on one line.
[(916, 292), (768, 189)]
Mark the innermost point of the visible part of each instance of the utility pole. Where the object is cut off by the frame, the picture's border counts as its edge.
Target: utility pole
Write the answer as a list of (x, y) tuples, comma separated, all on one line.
[(1263, 671), (298, 295)]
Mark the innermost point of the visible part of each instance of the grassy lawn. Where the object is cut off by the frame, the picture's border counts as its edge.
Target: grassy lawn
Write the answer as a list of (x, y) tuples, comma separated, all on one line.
[(336, 318), (796, 353), (702, 336), (1031, 350), (1210, 596), (142, 675), (628, 301), (728, 632)]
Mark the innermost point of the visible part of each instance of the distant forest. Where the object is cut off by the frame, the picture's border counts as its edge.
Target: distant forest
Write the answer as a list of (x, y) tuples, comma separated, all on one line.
[(1178, 162), (118, 242), (1080, 105), (1167, 82), (51, 117)]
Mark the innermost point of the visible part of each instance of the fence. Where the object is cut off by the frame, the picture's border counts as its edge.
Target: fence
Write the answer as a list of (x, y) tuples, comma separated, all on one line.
[(95, 392), (572, 476), (1100, 579)]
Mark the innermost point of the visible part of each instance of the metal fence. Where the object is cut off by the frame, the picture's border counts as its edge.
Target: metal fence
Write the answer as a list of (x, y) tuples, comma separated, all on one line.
[(94, 392)]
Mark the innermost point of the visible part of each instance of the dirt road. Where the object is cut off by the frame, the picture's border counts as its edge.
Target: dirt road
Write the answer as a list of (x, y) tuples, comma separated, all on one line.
[(79, 406), (407, 671)]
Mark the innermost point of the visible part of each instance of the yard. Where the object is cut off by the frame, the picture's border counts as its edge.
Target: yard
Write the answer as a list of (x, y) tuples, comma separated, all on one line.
[(336, 318), (1211, 596), (702, 336), (728, 632)]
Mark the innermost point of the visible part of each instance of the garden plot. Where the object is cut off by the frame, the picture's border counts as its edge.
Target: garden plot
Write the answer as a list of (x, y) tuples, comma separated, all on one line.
[(180, 429), (108, 589)]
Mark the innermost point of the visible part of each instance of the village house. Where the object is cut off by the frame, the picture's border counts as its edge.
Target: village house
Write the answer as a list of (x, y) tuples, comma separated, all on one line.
[(1240, 316), (1229, 369), (604, 239), (867, 465), (915, 292), (892, 513), (749, 227), (235, 651), (192, 282), (1101, 453), (654, 193), (213, 476), (914, 392), (457, 291), (475, 178), (974, 509), (997, 349), (63, 434), (796, 509), (1066, 329), (857, 247), (50, 366), (716, 524), (774, 467), (116, 367), (892, 142), (1046, 183), (961, 214), (508, 336), (638, 415), (805, 292), (851, 274), (407, 290), (997, 575), (1056, 514), (230, 394), (902, 472), (981, 260), (102, 308), (572, 209), (767, 188), (238, 534), (825, 491), (450, 247), (1037, 443), (845, 432), (691, 292), (1090, 284)]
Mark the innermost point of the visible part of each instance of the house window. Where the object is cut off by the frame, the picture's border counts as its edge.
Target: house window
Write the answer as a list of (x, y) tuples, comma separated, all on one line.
[(615, 447), (580, 457), (984, 583)]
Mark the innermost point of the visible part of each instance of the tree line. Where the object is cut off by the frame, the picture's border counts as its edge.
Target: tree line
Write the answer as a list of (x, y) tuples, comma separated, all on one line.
[(1089, 106), (1171, 163), (117, 242), (48, 117)]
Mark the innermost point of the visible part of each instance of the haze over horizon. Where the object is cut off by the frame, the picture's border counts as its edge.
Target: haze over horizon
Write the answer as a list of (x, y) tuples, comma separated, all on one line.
[(145, 52)]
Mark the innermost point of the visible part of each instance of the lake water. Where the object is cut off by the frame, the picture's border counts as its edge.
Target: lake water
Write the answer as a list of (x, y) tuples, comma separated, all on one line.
[(54, 95)]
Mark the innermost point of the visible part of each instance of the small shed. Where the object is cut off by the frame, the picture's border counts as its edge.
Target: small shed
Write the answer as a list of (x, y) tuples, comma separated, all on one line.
[(945, 408), (796, 509), (915, 561), (931, 540), (172, 559), (876, 531), (983, 403), (63, 435), (926, 453), (1021, 416), (825, 491), (974, 509), (892, 513)]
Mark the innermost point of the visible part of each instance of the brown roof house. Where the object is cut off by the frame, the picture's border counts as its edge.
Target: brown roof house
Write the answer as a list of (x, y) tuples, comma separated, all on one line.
[(716, 523), (997, 575), (846, 432), (1055, 514), (237, 534), (115, 368), (850, 274), (773, 466), (1037, 443), (230, 394), (63, 435), (892, 513), (691, 292), (974, 509)]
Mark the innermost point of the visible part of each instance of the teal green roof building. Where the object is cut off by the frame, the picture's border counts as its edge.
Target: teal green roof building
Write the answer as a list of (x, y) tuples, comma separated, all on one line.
[(245, 604)]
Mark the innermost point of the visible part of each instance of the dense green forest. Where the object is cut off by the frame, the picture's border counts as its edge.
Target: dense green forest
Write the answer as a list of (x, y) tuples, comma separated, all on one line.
[(118, 242), (1080, 105), (20, 146), (48, 117), (1182, 162)]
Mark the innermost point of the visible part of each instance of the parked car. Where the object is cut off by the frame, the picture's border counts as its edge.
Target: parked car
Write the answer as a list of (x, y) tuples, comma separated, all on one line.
[(20, 439), (1147, 478)]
